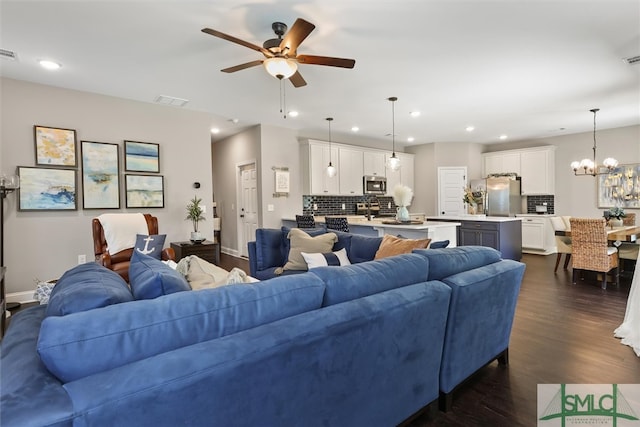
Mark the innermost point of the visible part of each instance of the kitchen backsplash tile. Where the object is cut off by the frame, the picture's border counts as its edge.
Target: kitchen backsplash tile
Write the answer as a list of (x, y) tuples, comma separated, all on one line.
[(532, 201), (332, 205)]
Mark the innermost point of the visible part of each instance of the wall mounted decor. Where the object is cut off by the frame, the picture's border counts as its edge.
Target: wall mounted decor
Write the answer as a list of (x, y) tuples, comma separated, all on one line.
[(100, 175), (144, 191), (620, 187), (282, 181), (55, 146), (141, 156), (47, 189)]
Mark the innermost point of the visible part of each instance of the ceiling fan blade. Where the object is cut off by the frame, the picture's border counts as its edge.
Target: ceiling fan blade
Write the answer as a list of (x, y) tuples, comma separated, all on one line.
[(297, 80), (242, 66), (326, 60), (296, 35), (233, 39)]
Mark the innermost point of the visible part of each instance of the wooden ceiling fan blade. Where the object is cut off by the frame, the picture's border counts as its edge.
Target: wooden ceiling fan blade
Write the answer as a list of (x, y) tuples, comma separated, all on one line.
[(296, 35), (233, 39), (297, 80), (242, 66), (326, 60)]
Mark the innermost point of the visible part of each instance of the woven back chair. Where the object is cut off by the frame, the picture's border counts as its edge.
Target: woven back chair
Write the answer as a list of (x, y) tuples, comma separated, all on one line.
[(630, 219), (590, 249), (305, 221), (337, 223)]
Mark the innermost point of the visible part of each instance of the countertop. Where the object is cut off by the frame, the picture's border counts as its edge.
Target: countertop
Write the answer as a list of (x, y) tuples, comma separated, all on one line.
[(473, 218), (360, 220), (547, 215)]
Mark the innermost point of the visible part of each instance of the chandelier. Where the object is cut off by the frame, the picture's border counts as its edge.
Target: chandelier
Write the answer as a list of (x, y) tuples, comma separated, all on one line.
[(588, 167), (393, 162)]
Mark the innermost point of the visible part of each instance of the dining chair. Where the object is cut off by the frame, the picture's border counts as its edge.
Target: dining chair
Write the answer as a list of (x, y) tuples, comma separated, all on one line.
[(337, 223), (630, 219), (590, 250), (305, 221), (628, 251), (563, 243)]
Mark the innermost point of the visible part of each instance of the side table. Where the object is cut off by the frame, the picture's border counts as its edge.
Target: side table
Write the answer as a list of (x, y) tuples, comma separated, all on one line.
[(206, 250)]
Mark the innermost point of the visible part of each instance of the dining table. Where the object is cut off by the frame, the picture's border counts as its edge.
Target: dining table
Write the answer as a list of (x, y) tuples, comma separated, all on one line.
[(629, 233)]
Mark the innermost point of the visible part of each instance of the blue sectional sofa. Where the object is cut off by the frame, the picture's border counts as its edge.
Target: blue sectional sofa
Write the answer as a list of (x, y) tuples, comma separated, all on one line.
[(369, 344)]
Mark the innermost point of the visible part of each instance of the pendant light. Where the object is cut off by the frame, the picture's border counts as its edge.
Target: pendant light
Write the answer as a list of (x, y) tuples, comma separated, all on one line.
[(393, 162), (331, 170), (588, 167)]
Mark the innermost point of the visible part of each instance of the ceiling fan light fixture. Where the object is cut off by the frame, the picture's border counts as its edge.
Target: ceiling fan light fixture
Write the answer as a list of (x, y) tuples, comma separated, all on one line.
[(280, 68)]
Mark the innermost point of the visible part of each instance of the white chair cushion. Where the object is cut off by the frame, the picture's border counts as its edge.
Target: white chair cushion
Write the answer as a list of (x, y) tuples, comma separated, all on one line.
[(120, 230), (611, 250), (558, 224)]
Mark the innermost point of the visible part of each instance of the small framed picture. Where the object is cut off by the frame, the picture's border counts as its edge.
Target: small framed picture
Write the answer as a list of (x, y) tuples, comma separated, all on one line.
[(47, 189), (144, 191), (141, 156), (55, 146), (100, 175)]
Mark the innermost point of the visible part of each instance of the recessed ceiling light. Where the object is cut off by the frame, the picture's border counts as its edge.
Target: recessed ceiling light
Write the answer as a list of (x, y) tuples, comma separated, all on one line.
[(49, 65), (215, 130), (411, 139), (503, 137), (355, 129), (470, 128), (414, 113), (293, 113)]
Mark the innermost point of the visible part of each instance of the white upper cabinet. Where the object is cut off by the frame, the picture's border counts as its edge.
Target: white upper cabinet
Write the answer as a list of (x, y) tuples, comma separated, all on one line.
[(350, 171), (501, 162), (374, 163), (538, 171), (315, 159)]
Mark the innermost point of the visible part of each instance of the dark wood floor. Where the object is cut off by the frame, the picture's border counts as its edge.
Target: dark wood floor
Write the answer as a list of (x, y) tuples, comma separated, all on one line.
[(562, 333)]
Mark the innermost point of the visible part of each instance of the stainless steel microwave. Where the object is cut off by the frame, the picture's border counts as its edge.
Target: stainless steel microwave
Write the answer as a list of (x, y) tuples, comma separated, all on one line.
[(374, 184)]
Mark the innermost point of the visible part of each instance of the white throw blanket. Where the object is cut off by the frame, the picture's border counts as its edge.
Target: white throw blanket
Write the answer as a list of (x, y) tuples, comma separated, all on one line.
[(120, 230), (629, 331)]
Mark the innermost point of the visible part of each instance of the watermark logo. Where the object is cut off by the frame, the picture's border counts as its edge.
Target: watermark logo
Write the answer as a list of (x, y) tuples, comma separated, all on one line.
[(592, 405)]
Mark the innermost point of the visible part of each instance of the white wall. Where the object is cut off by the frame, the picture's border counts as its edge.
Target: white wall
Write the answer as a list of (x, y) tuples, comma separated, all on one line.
[(43, 245)]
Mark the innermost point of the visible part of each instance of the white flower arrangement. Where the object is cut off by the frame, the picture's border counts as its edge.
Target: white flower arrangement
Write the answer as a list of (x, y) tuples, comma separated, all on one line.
[(402, 195)]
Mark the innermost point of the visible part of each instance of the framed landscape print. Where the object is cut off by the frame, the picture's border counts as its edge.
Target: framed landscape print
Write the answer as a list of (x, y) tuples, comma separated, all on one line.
[(100, 175), (620, 187), (55, 146), (144, 191), (47, 189), (141, 156)]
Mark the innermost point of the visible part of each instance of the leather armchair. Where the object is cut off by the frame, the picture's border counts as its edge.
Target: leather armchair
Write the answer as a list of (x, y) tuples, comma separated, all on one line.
[(119, 262)]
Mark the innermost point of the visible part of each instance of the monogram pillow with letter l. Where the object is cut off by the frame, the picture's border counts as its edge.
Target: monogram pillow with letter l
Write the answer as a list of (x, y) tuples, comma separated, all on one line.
[(150, 245)]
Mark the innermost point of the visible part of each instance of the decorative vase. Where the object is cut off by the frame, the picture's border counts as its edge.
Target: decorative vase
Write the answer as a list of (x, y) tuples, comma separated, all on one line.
[(196, 237), (472, 209), (615, 222), (402, 214)]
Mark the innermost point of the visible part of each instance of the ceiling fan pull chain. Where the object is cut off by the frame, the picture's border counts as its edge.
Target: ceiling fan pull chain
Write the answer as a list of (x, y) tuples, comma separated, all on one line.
[(284, 97)]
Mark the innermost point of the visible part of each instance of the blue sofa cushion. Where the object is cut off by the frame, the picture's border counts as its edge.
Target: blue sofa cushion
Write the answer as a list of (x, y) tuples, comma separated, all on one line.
[(151, 278), (363, 248), (150, 244), (89, 342), (449, 261), (359, 280), (85, 287)]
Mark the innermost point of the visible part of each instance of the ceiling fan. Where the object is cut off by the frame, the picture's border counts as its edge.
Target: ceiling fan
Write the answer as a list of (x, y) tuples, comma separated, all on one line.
[(281, 56)]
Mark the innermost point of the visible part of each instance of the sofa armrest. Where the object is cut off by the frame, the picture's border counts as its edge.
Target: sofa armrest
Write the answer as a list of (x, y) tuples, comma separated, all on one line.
[(253, 262), (168, 254), (104, 259)]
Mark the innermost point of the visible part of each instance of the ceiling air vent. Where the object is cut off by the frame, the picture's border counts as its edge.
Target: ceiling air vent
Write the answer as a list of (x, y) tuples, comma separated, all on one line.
[(8, 54), (170, 100), (632, 60)]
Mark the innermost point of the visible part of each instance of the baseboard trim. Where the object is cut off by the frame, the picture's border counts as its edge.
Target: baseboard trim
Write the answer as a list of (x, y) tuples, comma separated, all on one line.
[(229, 251), (21, 297)]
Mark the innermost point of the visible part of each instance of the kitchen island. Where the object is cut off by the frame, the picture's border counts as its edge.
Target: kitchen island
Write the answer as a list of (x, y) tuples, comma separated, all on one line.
[(501, 233), (359, 224)]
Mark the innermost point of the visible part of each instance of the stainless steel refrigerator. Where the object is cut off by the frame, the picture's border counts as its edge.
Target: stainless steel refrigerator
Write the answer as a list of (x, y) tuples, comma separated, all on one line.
[(503, 197)]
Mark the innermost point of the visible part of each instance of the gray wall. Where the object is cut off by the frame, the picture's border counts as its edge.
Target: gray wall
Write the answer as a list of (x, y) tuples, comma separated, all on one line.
[(43, 245)]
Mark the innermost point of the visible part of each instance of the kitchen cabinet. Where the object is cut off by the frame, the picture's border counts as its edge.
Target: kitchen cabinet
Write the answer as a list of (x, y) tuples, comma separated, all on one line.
[(350, 171), (373, 163), (504, 236), (315, 159), (501, 162), (404, 175), (537, 169), (537, 234)]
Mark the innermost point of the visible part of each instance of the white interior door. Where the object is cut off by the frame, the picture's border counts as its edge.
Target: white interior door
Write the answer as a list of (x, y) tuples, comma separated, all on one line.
[(248, 209), (451, 184)]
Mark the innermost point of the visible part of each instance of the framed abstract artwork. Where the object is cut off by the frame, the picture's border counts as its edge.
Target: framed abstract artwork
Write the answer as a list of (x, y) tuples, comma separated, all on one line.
[(141, 156), (55, 146), (47, 189), (100, 175), (620, 187), (144, 191)]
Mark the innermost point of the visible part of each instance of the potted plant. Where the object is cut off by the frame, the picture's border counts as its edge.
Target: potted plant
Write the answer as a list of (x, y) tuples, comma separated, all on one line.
[(194, 214), (614, 216)]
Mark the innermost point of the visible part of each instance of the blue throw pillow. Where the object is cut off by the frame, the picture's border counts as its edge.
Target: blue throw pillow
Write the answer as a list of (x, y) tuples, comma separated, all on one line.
[(150, 278), (85, 287), (150, 245)]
